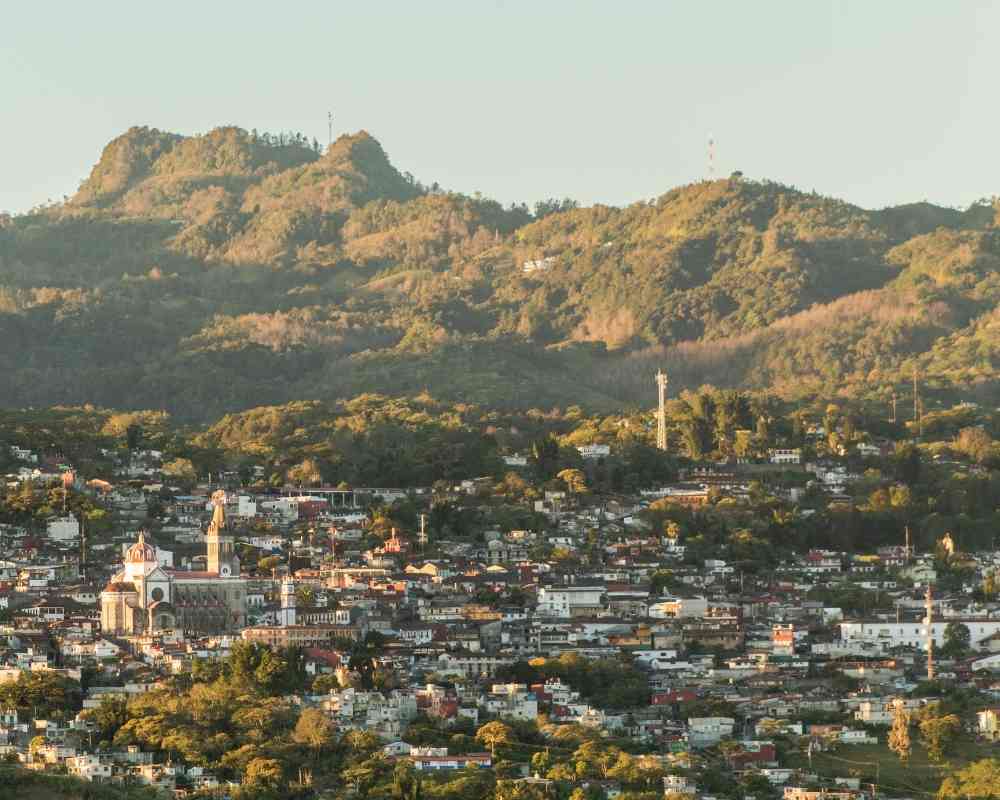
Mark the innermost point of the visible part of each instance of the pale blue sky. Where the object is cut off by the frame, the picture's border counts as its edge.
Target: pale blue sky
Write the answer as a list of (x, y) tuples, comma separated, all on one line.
[(878, 102)]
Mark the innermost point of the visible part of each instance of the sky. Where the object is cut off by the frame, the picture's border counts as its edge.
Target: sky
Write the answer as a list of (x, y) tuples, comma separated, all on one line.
[(878, 103)]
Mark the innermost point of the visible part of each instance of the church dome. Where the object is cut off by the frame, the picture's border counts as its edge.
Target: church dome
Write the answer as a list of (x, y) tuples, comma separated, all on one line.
[(141, 552)]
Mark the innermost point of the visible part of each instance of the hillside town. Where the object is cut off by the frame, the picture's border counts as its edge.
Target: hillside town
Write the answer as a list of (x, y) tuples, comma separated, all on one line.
[(602, 624)]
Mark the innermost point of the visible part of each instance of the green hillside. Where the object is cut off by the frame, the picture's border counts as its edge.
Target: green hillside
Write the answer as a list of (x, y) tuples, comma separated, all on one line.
[(213, 273)]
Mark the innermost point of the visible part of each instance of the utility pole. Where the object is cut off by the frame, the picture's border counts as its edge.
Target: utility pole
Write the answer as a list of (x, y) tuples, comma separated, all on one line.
[(661, 411), (892, 419)]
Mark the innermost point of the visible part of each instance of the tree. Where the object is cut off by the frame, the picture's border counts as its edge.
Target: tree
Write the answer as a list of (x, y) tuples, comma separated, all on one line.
[(306, 473), (545, 455), (938, 733), (264, 773), (36, 745), (956, 639), (541, 762), (406, 782), (133, 436), (364, 658), (980, 780), (899, 735), (42, 693), (268, 563), (305, 595), (990, 585), (975, 442), (180, 468), (109, 716), (493, 734), (314, 730), (908, 463), (574, 479)]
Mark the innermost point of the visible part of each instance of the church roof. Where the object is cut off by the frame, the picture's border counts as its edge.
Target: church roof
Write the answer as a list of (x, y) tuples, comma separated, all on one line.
[(191, 575), (199, 575)]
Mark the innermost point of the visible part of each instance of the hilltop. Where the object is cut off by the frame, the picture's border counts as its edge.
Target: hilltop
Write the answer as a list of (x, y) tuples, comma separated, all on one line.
[(208, 274)]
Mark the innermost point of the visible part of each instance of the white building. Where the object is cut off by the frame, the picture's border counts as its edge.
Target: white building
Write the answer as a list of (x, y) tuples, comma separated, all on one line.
[(246, 506), (594, 450), (23, 454), (679, 608), (537, 265), (90, 767), (564, 601), (707, 731), (63, 529), (786, 456), (891, 634), (513, 701)]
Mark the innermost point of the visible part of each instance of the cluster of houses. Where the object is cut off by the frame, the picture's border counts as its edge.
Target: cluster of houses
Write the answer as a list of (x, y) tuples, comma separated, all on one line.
[(454, 615)]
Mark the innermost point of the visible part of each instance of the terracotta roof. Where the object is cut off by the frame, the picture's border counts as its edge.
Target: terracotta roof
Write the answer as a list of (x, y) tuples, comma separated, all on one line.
[(120, 586)]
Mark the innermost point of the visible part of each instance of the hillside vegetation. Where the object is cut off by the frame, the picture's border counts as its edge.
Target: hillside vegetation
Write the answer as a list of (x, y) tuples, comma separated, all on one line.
[(213, 273)]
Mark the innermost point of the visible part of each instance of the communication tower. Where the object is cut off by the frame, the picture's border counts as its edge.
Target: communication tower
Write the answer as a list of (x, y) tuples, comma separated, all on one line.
[(422, 536), (661, 411)]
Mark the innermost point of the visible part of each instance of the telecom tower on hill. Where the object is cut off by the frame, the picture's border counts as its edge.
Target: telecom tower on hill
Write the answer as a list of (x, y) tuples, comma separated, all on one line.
[(661, 411)]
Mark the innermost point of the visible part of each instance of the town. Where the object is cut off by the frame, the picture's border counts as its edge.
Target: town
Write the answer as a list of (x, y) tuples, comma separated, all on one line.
[(522, 632)]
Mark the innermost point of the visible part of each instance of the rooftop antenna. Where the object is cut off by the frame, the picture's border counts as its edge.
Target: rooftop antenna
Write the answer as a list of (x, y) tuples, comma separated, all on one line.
[(329, 128), (711, 157)]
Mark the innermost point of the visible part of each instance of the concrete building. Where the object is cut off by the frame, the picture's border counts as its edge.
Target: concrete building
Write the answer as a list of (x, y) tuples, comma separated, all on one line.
[(568, 601)]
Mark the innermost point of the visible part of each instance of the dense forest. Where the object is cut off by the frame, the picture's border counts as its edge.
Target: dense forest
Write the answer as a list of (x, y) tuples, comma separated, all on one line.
[(214, 273)]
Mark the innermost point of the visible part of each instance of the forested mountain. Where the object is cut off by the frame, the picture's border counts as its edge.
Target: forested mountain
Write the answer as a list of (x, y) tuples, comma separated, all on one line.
[(214, 273)]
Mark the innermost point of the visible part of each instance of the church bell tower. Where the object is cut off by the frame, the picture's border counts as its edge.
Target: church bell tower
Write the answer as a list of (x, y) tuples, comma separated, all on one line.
[(222, 558)]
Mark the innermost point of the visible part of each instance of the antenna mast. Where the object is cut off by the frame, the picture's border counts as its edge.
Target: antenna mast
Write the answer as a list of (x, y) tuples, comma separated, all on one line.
[(711, 157), (329, 128), (661, 411)]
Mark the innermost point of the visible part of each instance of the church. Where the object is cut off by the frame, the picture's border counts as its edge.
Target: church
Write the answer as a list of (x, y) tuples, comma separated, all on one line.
[(145, 598)]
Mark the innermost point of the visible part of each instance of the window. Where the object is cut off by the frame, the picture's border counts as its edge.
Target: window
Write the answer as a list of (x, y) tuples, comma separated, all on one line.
[(157, 594)]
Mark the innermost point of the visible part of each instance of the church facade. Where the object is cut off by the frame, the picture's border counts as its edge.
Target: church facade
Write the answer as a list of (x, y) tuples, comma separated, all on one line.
[(144, 598)]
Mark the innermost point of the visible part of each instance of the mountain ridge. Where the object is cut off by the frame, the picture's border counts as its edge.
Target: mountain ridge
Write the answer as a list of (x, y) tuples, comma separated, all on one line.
[(206, 274)]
